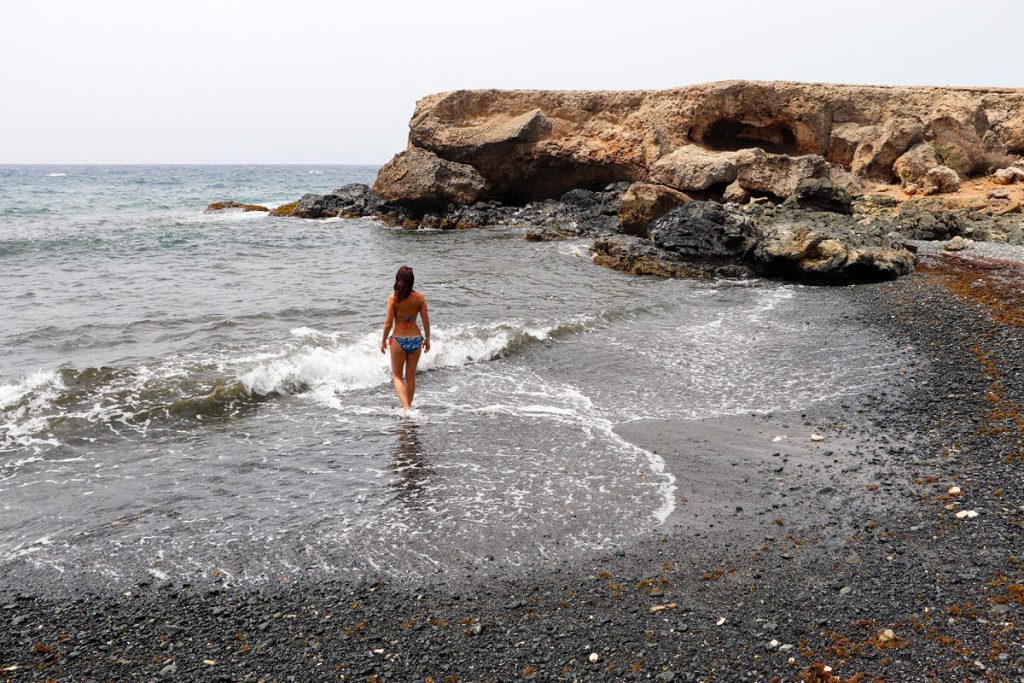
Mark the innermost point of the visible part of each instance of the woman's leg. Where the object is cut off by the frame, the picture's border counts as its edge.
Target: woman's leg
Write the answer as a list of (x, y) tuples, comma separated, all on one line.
[(411, 359), (398, 357)]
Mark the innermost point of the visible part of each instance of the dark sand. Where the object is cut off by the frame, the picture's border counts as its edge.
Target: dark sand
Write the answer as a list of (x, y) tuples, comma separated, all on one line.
[(865, 571)]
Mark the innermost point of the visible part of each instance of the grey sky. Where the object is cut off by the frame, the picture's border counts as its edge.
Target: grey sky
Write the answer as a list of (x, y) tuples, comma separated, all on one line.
[(331, 81)]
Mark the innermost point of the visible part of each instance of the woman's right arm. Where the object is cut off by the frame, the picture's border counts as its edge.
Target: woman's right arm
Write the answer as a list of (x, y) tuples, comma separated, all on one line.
[(426, 326), (389, 320)]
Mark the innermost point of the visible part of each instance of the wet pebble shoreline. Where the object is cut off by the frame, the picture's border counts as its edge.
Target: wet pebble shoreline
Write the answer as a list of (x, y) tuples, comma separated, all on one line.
[(905, 592)]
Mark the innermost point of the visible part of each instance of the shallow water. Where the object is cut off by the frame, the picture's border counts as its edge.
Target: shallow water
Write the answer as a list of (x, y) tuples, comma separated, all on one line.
[(183, 393)]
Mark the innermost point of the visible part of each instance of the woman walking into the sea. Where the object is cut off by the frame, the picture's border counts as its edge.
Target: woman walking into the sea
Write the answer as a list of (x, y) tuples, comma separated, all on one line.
[(404, 336)]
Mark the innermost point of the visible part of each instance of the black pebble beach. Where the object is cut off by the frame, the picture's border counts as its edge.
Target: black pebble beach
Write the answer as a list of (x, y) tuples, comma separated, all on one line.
[(849, 564)]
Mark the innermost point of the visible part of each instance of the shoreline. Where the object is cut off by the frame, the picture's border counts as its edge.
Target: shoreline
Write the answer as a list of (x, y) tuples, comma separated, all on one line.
[(887, 583)]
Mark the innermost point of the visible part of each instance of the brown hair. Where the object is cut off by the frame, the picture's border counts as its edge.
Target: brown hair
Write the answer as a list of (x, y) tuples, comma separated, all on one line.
[(404, 280)]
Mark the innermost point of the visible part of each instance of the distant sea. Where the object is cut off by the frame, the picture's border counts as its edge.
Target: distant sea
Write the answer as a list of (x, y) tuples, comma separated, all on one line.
[(184, 393)]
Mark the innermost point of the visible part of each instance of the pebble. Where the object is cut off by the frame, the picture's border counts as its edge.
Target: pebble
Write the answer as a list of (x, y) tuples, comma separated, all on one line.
[(594, 657), (853, 559), (967, 514), (817, 437), (953, 490)]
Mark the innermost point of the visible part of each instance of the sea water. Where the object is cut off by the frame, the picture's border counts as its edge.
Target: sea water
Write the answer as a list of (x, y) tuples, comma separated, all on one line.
[(185, 394)]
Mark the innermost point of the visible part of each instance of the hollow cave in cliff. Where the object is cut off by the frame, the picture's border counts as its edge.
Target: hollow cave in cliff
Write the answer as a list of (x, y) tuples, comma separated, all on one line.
[(728, 135)]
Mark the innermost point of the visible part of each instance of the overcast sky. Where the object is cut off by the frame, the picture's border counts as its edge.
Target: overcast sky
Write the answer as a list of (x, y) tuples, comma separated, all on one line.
[(332, 81)]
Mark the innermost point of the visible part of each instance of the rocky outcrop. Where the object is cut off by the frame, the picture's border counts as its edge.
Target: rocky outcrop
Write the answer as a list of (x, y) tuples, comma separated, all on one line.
[(827, 248), (638, 256), (529, 145), (420, 178), (215, 207), (786, 242), (657, 178)]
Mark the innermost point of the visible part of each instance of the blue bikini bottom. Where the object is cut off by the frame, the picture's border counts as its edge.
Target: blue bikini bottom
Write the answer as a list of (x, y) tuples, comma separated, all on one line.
[(408, 344)]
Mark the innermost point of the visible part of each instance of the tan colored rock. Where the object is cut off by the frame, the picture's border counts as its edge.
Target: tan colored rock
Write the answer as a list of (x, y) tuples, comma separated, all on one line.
[(913, 164), (940, 180), (236, 206), (693, 168), (844, 139), (538, 144), (287, 210), (1003, 176), (419, 177), (645, 202), (495, 133), (958, 243), (779, 175), (889, 140), (735, 193)]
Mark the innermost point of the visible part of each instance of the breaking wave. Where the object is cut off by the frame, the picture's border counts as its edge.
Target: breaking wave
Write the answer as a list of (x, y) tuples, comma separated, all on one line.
[(39, 409)]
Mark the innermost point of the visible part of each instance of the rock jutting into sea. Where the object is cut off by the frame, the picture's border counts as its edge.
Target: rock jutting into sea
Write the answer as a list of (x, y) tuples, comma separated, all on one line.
[(808, 182)]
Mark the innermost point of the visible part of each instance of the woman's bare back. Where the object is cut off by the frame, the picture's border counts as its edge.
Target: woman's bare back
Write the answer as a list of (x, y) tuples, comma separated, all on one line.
[(406, 312)]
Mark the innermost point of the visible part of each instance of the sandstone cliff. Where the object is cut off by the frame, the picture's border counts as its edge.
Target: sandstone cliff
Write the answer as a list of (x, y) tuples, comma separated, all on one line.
[(760, 137)]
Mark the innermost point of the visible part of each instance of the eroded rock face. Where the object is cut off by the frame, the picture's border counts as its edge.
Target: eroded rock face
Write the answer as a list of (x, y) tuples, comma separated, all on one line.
[(529, 145), (419, 177)]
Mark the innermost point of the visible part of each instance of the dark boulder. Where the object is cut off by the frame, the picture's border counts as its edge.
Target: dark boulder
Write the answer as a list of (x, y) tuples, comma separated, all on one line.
[(639, 256), (348, 201), (820, 194), (703, 230)]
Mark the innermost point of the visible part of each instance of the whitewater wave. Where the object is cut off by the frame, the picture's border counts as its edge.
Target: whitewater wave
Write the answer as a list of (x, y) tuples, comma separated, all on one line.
[(36, 410), (334, 369)]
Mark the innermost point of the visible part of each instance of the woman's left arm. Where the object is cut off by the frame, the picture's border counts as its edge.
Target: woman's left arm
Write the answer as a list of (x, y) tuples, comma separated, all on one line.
[(426, 326)]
